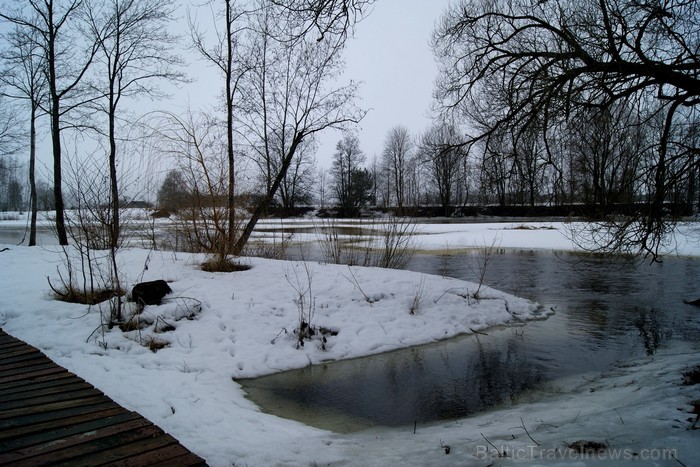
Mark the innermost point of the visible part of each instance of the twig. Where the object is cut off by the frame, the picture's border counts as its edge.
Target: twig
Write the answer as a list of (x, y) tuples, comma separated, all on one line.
[(417, 297), (492, 445), (527, 432), (620, 416), (576, 417), (357, 284), (445, 293), (283, 330), (478, 332), (93, 332)]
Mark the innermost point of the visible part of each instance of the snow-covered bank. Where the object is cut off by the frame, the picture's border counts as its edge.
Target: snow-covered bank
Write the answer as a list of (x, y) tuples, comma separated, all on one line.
[(684, 240), (241, 325)]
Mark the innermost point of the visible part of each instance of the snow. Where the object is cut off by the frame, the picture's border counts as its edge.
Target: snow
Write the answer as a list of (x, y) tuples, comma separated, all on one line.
[(684, 240), (241, 324)]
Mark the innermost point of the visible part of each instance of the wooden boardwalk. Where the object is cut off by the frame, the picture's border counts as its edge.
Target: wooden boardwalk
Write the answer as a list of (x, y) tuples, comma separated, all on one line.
[(50, 416)]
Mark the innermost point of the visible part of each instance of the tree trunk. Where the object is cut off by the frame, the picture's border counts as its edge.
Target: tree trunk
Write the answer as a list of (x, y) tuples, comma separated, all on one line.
[(114, 230), (56, 135), (229, 132), (57, 179), (32, 179), (269, 196)]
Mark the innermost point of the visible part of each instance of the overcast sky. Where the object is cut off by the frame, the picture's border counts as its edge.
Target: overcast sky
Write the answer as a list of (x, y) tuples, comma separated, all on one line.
[(390, 54)]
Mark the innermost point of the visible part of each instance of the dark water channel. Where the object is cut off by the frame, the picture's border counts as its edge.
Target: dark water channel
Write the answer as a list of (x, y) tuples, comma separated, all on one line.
[(605, 313), (12, 235)]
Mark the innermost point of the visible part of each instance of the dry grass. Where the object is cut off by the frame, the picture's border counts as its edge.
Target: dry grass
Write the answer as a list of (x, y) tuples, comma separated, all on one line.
[(223, 265), (154, 344), (74, 295)]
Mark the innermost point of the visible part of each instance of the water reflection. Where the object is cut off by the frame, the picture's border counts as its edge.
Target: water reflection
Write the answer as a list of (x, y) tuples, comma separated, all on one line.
[(417, 385), (650, 330), (605, 314)]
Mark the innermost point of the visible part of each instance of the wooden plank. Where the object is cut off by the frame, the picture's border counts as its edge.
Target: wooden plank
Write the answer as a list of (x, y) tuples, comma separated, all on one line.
[(33, 367), (17, 432), (19, 352), (168, 456), (28, 358), (4, 335), (70, 443), (119, 453), (52, 379), (14, 348), (50, 416), (38, 390), (53, 406), (103, 450), (8, 340), (39, 417), (27, 402), (32, 375), (59, 433), (10, 367)]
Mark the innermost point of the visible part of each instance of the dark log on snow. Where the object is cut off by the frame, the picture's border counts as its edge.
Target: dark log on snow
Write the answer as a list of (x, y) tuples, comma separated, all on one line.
[(150, 293)]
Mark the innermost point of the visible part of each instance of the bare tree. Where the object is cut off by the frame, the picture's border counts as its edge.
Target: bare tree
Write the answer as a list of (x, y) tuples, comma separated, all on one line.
[(11, 188), (194, 142), (134, 50), (322, 191), (440, 151), (396, 158), (529, 161), (173, 193), (223, 54), (550, 59), (67, 59), (297, 185), (286, 99), (329, 18), (23, 76), (352, 184), (607, 147)]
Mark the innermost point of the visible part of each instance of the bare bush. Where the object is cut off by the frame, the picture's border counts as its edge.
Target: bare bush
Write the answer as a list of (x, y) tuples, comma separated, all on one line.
[(396, 243), (418, 297), (300, 278), (484, 255), (207, 223), (387, 244), (90, 272)]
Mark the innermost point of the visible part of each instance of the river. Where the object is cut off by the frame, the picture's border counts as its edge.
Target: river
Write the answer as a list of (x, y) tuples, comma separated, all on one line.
[(606, 313)]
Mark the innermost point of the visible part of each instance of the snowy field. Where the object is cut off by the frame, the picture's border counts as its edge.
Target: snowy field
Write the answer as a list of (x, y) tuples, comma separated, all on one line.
[(234, 325)]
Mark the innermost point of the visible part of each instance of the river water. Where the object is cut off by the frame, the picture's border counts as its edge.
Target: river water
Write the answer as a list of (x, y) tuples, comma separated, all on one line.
[(606, 313), (20, 235)]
